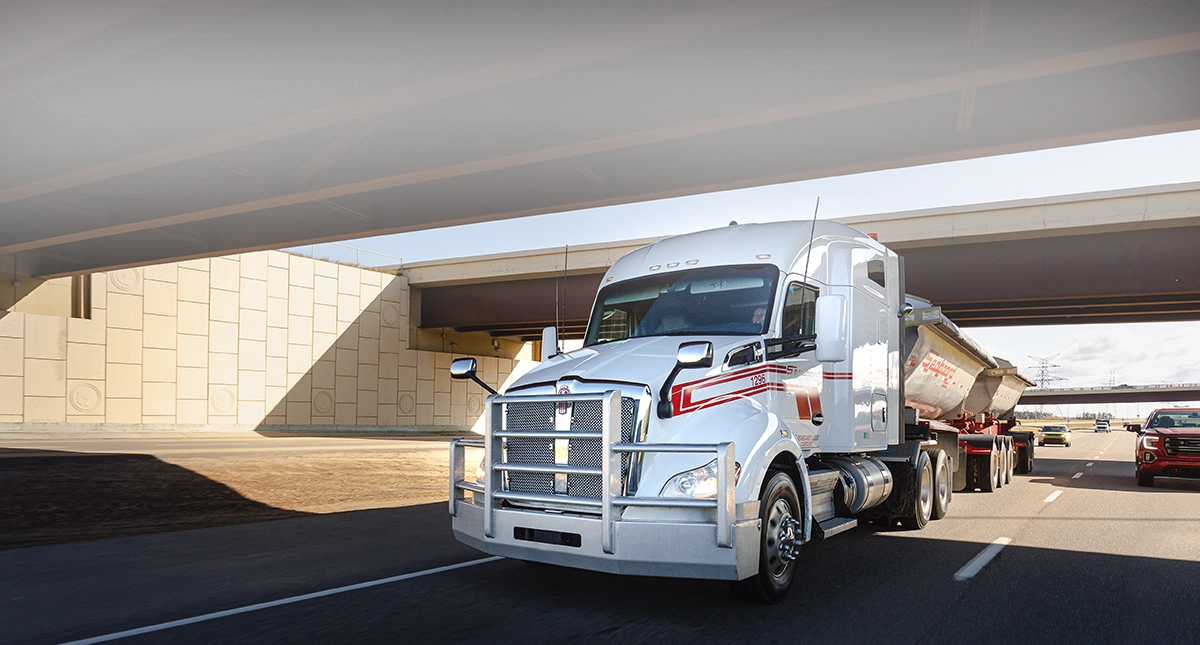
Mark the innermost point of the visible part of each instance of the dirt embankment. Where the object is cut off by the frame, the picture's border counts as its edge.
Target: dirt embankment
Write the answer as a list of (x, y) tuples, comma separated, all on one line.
[(49, 496)]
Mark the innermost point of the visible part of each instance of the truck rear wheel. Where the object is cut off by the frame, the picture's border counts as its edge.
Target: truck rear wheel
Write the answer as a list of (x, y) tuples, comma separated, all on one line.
[(986, 471), (1008, 462), (1144, 480), (780, 515), (917, 515), (942, 485), (1022, 457)]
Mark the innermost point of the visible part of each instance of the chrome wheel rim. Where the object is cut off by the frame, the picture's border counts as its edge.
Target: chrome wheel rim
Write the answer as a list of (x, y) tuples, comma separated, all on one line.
[(780, 539), (943, 485), (926, 491)]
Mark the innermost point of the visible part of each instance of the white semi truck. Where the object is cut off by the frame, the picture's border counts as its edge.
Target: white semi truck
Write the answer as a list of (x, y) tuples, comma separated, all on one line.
[(741, 391)]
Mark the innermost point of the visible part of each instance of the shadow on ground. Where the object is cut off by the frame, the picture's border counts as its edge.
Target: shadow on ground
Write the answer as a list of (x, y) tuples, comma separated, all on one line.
[(50, 496), (868, 587)]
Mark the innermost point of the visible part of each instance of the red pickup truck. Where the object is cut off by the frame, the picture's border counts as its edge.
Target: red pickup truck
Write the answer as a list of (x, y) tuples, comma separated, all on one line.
[(1169, 445)]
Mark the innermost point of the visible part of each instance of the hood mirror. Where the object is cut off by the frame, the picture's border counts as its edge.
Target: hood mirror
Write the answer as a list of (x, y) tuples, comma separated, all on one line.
[(695, 354), (689, 355), (464, 368), (1135, 427)]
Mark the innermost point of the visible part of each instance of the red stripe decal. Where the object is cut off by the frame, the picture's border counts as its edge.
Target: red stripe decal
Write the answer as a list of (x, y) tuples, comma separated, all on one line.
[(759, 381)]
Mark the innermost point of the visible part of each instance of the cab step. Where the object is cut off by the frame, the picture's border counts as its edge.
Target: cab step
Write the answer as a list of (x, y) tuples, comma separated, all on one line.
[(833, 526)]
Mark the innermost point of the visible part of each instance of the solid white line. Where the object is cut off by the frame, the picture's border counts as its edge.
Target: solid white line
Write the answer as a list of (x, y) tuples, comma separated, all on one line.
[(1076, 475), (1053, 496), (980, 561), (276, 603)]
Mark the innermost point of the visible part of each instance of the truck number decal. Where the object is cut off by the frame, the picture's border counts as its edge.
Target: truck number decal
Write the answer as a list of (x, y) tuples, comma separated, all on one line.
[(689, 397)]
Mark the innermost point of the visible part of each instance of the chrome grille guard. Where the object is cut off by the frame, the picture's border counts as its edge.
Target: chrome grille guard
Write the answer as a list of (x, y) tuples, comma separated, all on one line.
[(494, 466)]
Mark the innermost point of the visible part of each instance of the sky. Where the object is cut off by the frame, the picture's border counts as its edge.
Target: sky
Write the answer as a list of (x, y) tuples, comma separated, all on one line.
[(1147, 353)]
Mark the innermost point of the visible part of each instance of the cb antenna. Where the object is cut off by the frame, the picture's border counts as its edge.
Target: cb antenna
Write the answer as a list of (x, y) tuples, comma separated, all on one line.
[(811, 234), (559, 336)]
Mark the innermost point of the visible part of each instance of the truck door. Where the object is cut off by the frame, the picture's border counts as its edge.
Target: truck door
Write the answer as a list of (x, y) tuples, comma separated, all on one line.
[(798, 401), (871, 375)]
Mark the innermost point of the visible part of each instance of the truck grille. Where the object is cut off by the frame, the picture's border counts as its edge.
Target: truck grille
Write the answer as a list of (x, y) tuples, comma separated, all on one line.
[(1188, 446), (586, 416)]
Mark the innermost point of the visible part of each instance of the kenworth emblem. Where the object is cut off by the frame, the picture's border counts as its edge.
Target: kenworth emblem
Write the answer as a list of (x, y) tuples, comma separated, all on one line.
[(563, 406)]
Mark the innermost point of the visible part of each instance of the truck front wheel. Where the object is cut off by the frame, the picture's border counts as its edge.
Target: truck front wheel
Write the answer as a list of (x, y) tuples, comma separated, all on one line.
[(780, 515)]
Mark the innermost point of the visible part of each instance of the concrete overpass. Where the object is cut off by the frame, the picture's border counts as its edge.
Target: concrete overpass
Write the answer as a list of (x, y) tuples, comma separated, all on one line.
[(1167, 393), (143, 131), (1113, 256)]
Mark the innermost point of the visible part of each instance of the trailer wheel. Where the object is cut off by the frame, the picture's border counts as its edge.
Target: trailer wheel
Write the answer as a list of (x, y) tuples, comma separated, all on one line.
[(987, 471), (942, 486), (998, 457), (917, 516), (1029, 458), (1008, 461), (780, 515)]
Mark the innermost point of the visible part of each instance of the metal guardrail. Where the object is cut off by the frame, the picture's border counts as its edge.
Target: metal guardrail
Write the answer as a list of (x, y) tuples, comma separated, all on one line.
[(494, 466), (1111, 388)]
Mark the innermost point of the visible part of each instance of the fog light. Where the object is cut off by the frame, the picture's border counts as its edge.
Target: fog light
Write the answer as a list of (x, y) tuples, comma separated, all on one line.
[(1149, 457)]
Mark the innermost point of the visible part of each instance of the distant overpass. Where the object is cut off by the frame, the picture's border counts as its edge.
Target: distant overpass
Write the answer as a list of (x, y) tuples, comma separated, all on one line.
[(1111, 256), (1116, 394), (143, 132)]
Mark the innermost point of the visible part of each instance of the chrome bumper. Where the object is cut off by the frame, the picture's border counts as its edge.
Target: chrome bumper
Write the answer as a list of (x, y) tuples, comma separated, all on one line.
[(724, 549)]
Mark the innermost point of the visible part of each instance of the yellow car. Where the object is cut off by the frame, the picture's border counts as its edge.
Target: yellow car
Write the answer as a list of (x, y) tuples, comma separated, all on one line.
[(1055, 434)]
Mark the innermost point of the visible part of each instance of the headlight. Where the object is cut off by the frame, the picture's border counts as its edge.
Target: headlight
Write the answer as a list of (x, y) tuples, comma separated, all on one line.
[(699, 482), (1149, 442)]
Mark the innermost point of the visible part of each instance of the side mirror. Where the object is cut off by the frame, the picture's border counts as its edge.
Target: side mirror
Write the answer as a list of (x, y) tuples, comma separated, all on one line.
[(1135, 427), (695, 354), (549, 343), (461, 368), (833, 341), (699, 354)]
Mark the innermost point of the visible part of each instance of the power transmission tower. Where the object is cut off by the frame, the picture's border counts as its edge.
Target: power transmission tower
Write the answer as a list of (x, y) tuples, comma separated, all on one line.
[(1044, 377), (1043, 367)]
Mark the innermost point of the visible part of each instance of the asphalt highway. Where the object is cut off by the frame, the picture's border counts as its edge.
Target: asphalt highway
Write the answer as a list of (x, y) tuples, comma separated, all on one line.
[(1086, 557)]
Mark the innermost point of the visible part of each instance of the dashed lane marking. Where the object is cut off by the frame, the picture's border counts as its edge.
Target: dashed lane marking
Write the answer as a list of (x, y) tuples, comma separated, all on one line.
[(980, 561), (1053, 496), (276, 603), (1076, 475), (1088, 464)]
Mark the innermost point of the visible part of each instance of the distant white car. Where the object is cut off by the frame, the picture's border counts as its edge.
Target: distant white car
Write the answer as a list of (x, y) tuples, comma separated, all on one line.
[(1102, 425)]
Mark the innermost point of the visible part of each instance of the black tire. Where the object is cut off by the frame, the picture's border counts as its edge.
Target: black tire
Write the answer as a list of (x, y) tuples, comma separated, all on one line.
[(943, 485), (920, 510), (998, 457), (1024, 459), (1145, 480), (987, 471), (775, 574), (1009, 458)]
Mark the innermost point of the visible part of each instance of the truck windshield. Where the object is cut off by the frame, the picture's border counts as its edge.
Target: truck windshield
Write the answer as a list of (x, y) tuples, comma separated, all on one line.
[(1173, 419), (730, 300)]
